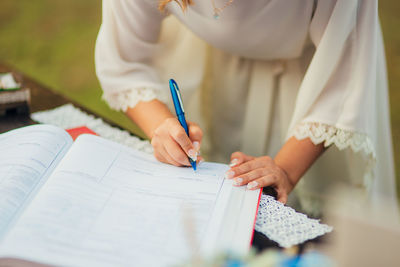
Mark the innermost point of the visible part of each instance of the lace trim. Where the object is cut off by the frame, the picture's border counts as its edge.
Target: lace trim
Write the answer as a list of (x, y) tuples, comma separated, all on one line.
[(320, 132), (123, 100), (342, 139)]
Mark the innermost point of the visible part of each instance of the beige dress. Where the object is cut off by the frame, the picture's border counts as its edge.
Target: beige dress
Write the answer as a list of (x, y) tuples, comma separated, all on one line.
[(261, 73)]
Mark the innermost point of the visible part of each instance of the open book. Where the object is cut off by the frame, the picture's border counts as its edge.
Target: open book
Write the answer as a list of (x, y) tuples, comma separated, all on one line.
[(94, 202)]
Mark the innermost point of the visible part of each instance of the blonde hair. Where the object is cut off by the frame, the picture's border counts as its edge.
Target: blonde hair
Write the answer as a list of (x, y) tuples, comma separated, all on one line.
[(182, 3)]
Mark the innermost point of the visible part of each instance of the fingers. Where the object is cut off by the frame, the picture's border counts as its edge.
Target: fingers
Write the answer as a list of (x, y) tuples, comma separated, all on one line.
[(238, 158), (250, 176), (168, 151), (200, 160), (269, 180), (195, 135), (260, 182), (172, 145), (282, 197), (261, 162), (175, 152), (195, 132), (257, 173), (179, 135), (163, 156), (196, 146)]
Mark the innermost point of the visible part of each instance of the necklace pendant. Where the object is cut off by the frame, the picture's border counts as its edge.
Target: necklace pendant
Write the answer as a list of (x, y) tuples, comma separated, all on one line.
[(217, 12)]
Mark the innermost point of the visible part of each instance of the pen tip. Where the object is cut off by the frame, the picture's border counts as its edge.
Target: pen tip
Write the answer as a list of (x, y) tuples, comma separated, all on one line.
[(193, 163)]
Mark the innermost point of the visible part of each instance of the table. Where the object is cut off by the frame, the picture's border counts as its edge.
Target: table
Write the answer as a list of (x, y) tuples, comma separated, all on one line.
[(43, 98)]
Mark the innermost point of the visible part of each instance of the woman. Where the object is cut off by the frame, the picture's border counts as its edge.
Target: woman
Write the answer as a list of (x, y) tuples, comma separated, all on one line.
[(279, 81)]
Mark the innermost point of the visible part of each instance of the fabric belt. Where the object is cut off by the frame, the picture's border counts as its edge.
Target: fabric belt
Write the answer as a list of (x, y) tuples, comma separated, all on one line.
[(259, 108)]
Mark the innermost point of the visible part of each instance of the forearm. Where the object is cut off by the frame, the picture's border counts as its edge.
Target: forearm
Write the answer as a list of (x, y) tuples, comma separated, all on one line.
[(296, 157), (149, 115)]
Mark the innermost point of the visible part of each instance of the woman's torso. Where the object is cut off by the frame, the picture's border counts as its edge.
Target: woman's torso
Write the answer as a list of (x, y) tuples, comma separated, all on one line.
[(270, 29)]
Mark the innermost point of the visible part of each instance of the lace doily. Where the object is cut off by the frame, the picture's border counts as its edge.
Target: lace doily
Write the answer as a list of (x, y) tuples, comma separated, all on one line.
[(123, 100), (284, 225), (68, 116), (278, 222)]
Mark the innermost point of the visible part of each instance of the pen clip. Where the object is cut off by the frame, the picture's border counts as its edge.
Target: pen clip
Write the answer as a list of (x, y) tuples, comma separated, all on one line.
[(176, 88)]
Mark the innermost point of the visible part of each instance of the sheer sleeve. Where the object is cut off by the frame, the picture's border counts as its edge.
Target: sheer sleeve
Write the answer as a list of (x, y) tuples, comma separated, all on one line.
[(336, 101), (125, 49), (343, 98)]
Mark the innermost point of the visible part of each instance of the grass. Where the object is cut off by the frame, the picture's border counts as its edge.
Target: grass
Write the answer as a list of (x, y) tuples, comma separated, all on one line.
[(53, 42), (390, 22)]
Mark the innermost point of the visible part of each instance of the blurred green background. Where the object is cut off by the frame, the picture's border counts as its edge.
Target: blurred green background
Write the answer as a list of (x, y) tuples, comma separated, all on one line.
[(53, 42)]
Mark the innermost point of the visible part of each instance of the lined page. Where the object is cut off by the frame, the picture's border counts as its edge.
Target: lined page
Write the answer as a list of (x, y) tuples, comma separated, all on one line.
[(107, 205), (26, 157)]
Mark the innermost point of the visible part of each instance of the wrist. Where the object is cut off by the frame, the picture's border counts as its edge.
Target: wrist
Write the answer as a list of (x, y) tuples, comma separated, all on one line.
[(149, 115), (292, 178), (157, 122), (296, 156)]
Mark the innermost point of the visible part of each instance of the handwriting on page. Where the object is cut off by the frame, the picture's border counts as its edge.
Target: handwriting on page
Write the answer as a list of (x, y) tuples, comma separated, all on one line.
[(105, 205)]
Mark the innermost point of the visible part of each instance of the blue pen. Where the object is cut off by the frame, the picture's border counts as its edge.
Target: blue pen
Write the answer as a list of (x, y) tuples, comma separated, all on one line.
[(180, 112)]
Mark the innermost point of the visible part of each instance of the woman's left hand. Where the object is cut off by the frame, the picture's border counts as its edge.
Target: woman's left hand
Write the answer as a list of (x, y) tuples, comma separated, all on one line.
[(259, 172)]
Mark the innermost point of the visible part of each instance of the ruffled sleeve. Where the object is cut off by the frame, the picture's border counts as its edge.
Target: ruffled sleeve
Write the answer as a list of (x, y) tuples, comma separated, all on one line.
[(125, 49), (336, 98), (343, 98)]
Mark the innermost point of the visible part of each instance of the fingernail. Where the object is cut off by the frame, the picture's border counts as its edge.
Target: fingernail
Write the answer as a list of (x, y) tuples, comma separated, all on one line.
[(252, 185), (196, 145), (192, 154), (229, 174), (238, 181), (233, 162)]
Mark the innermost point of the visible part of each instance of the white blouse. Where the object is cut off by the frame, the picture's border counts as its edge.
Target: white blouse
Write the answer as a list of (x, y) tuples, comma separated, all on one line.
[(128, 39), (261, 73)]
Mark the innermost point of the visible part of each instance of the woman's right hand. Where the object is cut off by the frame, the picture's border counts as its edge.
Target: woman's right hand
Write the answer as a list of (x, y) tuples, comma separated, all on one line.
[(172, 145)]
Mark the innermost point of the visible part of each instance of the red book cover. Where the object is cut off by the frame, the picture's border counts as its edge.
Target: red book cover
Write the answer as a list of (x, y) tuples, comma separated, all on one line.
[(77, 131)]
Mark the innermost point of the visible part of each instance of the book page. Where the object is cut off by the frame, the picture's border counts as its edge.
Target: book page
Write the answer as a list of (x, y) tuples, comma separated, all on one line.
[(26, 157), (108, 205)]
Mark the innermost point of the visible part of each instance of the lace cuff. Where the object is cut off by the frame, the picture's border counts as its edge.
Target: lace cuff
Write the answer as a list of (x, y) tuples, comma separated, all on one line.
[(320, 132), (123, 100), (342, 139)]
